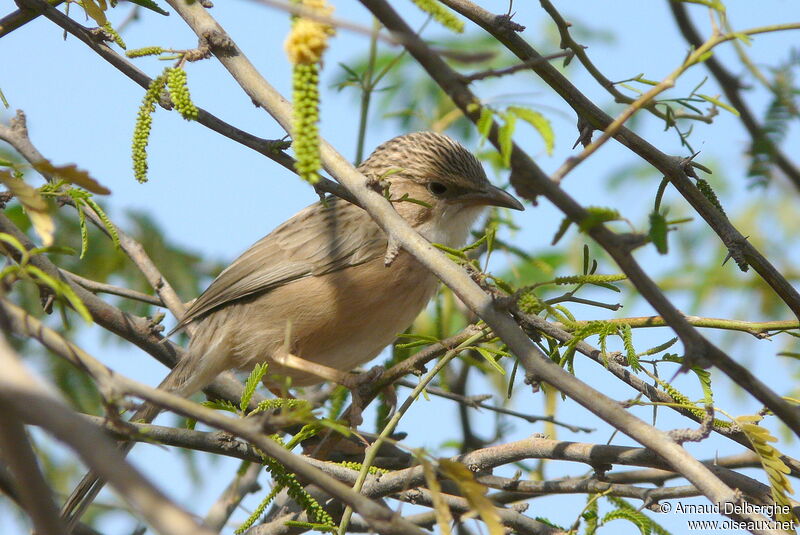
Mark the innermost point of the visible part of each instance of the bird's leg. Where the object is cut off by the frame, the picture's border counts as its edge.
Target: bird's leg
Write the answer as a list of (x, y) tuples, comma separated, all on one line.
[(351, 381)]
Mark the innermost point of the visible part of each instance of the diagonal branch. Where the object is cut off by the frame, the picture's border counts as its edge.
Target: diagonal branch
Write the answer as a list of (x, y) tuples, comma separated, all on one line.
[(257, 88), (530, 181)]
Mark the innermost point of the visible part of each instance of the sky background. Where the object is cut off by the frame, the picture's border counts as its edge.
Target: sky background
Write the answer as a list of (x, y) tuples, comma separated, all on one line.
[(216, 197)]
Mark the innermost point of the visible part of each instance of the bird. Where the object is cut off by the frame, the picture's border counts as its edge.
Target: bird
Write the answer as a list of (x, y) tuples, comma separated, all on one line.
[(317, 297), (318, 288)]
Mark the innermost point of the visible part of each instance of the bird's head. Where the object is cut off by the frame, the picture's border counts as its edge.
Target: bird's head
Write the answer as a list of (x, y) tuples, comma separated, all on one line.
[(436, 184)]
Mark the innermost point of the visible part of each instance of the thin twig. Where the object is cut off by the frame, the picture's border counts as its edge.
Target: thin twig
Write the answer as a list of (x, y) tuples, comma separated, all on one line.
[(100, 287), (479, 401), (241, 485), (526, 65)]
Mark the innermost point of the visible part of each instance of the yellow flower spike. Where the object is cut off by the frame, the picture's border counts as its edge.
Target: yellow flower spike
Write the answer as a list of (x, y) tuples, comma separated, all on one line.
[(305, 45)]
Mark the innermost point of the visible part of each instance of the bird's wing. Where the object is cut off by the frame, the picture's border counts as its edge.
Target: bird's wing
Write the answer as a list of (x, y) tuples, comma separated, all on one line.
[(317, 240)]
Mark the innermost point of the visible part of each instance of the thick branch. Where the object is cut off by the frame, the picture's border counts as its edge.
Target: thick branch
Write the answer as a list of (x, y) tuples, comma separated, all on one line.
[(381, 210)]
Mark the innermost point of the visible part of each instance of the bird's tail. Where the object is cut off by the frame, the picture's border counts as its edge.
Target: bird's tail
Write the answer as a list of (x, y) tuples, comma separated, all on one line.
[(187, 377)]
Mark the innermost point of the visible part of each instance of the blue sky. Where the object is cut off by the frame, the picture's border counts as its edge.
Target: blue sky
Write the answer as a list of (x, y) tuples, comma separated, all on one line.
[(218, 197)]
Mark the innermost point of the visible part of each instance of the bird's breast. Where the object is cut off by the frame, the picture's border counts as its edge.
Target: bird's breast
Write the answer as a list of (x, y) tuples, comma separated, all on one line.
[(341, 319)]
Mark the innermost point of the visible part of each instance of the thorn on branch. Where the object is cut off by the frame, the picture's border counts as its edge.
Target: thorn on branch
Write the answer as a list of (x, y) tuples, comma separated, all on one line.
[(19, 124), (736, 250), (48, 298), (585, 131)]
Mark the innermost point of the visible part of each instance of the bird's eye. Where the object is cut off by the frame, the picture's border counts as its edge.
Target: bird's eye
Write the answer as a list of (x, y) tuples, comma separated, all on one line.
[(437, 188)]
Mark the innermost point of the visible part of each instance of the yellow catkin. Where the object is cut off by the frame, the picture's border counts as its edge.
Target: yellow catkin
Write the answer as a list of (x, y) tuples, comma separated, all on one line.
[(305, 45), (308, 38)]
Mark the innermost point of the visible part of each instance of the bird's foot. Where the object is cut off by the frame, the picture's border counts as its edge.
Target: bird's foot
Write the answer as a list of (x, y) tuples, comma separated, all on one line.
[(356, 382)]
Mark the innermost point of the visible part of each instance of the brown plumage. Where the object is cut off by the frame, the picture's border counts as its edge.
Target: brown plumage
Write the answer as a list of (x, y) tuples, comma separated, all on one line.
[(317, 285)]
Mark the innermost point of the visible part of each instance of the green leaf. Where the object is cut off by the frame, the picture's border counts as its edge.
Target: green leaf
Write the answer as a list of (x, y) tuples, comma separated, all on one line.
[(63, 290), (490, 359), (250, 385), (659, 348), (562, 229), (626, 334), (539, 122), (637, 518), (719, 103), (505, 137), (597, 215), (484, 124), (221, 405), (152, 6), (658, 232)]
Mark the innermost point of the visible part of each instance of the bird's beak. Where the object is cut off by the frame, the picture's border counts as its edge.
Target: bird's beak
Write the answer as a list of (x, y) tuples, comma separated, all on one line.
[(493, 196)]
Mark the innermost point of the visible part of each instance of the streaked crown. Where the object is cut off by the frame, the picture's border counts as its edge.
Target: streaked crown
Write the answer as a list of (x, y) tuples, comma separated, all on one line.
[(424, 156)]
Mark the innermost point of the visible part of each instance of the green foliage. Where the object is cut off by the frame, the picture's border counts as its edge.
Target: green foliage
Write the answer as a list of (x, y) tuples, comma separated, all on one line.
[(708, 192), (602, 328), (658, 232), (149, 4), (591, 514), (374, 470), (259, 510), (626, 334), (250, 385), (337, 400), (639, 519), (489, 354), (780, 112), (539, 122), (287, 480), (506, 131), (146, 51), (221, 405), (505, 137), (115, 36), (597, 215), (591, 279), (282, 403), (24, 270)]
